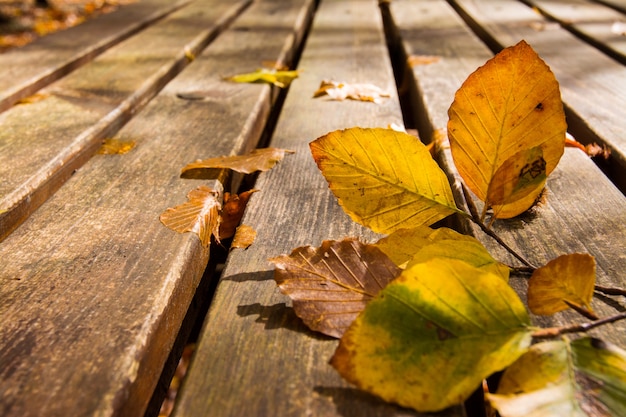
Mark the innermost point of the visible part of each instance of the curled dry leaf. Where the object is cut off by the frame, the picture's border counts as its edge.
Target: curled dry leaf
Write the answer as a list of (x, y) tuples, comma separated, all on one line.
[(244, 237), (331, 285), (257, 160), (280, 79), (199, 215), (591, 149), (566, 279), (116, 147), (232, 211), (360, 92)]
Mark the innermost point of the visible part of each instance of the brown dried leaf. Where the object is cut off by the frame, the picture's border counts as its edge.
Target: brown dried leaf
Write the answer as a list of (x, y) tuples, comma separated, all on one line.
[(257, 160), (360, 92), (331, 285), (244, 237), (199, 215), (232, 212), (35, 98), (116, 147), (415, 60)]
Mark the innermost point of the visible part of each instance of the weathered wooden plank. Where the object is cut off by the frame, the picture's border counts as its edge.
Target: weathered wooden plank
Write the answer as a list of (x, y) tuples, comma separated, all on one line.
[(255, 357), (584, 211), (93, 288), (43, 143), (599, 25), (619, 5), (25, 70), (593, 85)]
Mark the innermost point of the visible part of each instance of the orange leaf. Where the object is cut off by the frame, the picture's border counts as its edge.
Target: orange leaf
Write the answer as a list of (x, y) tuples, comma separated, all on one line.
[(115, 147), (257, 160), (244, 237), (331, 285), (232, 212), (199, 215)]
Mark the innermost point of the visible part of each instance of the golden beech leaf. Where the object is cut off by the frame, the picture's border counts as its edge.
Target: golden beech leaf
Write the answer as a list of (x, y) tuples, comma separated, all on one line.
[(280, 79), (507, 109), (433, 334), (568, 278), (384, 179), (232, 211), (244, 237), (257, 160), (116, 147), (342, 91), (199, 215), (331, 285)]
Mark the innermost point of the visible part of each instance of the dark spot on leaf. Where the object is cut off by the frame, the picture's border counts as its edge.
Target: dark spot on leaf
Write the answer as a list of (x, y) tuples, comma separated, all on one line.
[(539, 107), (598, 344), (443, 334)]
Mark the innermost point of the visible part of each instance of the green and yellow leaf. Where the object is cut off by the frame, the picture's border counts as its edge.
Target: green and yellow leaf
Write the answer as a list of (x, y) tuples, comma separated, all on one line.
[(431, 336), (384, 179), (509, 108), (586, 378), (280, 79), (568, 278)]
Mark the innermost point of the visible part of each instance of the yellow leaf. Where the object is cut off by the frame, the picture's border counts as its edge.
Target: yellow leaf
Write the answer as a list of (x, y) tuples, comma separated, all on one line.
[(280, 79), (384, 179), (199, 215), (509, 108), (430, 337), (116, 147), (567, 278), (257, 160)]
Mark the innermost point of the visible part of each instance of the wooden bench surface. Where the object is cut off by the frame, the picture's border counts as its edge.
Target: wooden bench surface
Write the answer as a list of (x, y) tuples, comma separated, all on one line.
[(94, 289)]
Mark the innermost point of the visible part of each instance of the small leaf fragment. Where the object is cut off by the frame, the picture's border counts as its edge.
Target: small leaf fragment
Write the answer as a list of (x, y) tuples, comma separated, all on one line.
[(232, 211), (280, 79), (244, 237), (433, 334), (331, 285), (114, 146), (342, 91), (415, 60), (199, 215), (258, 160), (568, 278), (384, 179)]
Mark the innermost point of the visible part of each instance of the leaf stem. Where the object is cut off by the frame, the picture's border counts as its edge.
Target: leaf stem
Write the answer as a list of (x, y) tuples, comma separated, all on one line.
[(610, 290), (477, 220), (552, 332)]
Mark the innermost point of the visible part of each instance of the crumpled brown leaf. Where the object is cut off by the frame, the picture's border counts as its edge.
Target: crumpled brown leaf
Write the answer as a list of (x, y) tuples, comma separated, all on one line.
[(258, 160), (232, 212), (341, 91)]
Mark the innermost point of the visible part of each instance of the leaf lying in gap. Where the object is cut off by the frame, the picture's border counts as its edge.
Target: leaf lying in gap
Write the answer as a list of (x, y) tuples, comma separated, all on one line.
[(341, 91), (385, 180), (280, 79), (433, 334), (507, 107), (415, 60), (591, 149), (232, 211), (257, 160), (35, 98), (331, 285), (116, 147), (567, 278), (553, 379), (199, 215), (244, 237)]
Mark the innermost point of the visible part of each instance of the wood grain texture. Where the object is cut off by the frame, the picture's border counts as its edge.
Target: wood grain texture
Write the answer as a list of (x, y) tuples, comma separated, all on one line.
[(93, 287), (593, 86), (584, 211), (43, 143), (255, 357), (593, 22), (27, 69)]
